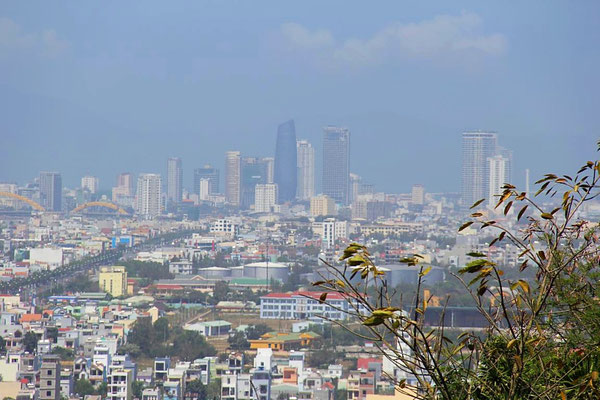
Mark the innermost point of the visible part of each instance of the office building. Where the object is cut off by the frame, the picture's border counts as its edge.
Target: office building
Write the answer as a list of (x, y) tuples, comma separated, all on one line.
[(123, 193), (322, 206), (149, 195), (498, 167), (270, 166), (477, 147), (90, 183), (51, 191), (174, 180), (417, 195), (206, 172), (336, 163), (254, 172), (50, 378), (306, 170), (113, 280), (285, 161), (265, 197), (233, 164)]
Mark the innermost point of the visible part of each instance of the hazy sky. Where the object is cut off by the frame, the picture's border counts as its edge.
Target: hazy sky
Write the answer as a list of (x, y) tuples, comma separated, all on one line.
[(101, 88)]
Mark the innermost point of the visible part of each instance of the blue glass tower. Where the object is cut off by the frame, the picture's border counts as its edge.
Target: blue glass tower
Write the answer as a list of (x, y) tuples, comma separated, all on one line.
[(285, 161)]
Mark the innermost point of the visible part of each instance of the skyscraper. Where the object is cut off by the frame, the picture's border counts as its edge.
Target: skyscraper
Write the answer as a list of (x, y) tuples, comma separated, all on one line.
[(89, 183), (232, 177), (51, 191), (149, 195), (498, 167), (265, 197), (306, 170), (476, 148), (336, 163), (270, 165), (285, 161), (174, 180), (207, 172), (253, 172), (123, 193)]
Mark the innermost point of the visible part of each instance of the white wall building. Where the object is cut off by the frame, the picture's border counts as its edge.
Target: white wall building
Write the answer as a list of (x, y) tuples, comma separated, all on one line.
[(265, 197), (90, 183), (498, 170), (149, 195), (306, 170), (303, 305), (332, 231)]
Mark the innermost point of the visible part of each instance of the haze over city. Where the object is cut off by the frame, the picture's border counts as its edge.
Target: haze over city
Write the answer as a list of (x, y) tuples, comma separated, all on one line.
[(312, 200), (121, 87)]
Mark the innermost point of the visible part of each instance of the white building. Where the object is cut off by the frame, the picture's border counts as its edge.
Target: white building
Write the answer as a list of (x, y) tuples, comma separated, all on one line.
[(149, 195), (174, 180), (498, 170), (306, 170), (224, 227), (119, 385), (233, 186), (204, 189), (332, 231), (417, 195), (265, 197), (46, 256), (181, 267), (304, 305), (90, 183)]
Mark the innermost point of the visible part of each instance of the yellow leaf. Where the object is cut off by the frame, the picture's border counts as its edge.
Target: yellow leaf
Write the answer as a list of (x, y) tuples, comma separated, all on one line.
[(563, 395), (425, 271)]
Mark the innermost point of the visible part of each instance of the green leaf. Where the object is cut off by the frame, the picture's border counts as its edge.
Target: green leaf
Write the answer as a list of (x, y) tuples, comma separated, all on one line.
[(547, 216), (465, 225), (478, 202), (476, 254), (373, 321)]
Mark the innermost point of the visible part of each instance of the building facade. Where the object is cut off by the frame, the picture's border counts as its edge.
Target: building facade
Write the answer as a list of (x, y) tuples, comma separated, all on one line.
[(498, 167), (322, 206), (306, 170), (265, 197), (90, 183), (174, 180), (51, 191), (50, 378), (206, 172), (336, 163), (149, 195), (304, 305), (233, 177), (285, 161), (113, 280), (477, 147)]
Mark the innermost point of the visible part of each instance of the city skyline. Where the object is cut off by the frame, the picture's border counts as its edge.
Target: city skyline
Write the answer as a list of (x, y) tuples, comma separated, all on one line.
[(78, 91)]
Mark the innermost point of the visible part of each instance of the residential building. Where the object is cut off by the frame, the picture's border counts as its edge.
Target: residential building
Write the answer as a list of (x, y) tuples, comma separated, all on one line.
[(498, 167), (224, 227), (90, 183), (113, 280), (280, 341), (233, 177), (265, 197), (174, 180), (304, 305), (336, 163), (50, 378), (322, 206), (123, 194), (417, 195), (211, 174), (285, 161), (119, 384), (332, 231), (149, 195), (306, 170), (51, 191), (477, 147)]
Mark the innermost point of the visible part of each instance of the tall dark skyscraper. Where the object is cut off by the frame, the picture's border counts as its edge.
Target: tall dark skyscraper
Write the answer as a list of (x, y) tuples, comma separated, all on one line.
[(51, 191), (336, 163), (285, 161), (207, 172), (254, 172)]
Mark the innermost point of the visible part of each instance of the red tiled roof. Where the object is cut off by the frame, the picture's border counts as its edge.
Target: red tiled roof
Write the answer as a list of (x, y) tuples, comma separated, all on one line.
[(363, 363), (31, 317)]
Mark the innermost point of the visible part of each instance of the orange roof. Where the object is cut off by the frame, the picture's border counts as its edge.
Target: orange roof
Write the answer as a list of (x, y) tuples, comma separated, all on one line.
[(31, 317), (49, 312)]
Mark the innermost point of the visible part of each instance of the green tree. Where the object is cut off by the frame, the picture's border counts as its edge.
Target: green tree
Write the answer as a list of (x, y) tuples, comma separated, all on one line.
[(254, 332), (137, 388), (196, 389), (83, 387), (220, 292), (52, 333), (190, 345), (30, 342), (238, 341), (542, 339)]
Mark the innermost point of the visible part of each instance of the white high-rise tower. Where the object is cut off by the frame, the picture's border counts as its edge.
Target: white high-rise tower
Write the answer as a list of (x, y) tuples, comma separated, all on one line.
[(148, 195), (306, 170), (477, 147)]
